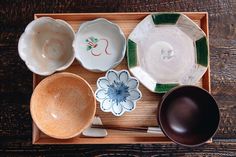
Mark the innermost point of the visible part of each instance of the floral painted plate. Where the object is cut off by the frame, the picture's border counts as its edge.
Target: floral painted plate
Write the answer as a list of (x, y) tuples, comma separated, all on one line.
[(99, 45), (117, 92), (166, 50)]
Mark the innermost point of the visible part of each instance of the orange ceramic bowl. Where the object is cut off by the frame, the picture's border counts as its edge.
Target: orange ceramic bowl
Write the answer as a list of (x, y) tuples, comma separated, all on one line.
[(63, 105)]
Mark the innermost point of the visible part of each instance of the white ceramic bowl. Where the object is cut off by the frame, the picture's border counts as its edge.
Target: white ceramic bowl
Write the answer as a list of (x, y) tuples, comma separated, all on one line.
[(99, 45), (46, 45)]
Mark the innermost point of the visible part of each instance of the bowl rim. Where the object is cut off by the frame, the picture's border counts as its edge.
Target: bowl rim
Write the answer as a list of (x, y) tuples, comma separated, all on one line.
[(27, 63), (161, 104), (51, 78), (98, 20)]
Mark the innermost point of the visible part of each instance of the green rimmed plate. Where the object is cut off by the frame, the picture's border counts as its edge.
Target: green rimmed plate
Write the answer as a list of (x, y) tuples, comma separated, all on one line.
[(166, 50)]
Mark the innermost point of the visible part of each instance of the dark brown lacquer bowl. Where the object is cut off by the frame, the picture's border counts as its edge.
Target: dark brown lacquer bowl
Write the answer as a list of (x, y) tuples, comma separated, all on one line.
[(188, 115)]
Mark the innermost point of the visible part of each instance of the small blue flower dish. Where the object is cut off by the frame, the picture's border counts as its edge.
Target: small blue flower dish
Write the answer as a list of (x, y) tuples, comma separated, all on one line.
[(117, 92)]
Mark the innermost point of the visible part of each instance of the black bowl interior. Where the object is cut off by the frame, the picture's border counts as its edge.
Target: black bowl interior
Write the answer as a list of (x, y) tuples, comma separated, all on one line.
[(189, 115)]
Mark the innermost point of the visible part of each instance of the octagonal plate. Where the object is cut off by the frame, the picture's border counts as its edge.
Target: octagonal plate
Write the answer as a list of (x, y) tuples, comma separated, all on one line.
[(166, 50)]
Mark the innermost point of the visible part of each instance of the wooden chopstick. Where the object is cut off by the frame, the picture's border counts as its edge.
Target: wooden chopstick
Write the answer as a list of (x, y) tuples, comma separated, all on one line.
[(113, 127)]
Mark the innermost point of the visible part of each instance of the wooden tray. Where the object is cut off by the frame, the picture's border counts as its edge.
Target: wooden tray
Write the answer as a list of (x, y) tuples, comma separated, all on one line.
[(145, 112)]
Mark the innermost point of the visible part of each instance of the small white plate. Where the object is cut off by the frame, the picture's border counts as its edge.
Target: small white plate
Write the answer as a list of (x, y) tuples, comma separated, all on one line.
[(166, 50), (117, 92), (99, 45)]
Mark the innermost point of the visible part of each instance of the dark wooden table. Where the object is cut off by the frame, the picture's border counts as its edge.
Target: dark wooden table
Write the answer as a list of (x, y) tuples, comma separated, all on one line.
[(16, 79)]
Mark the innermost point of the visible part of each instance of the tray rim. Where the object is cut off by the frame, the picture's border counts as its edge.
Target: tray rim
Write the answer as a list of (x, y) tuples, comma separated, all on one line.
[(203, 17)]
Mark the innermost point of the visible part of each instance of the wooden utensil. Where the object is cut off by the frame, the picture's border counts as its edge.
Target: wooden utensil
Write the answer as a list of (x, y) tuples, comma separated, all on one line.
[(188, 115), (147, 129)]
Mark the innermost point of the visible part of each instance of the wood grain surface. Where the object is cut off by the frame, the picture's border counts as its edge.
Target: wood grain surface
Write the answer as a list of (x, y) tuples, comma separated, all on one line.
[(16, 79), (145, 111)]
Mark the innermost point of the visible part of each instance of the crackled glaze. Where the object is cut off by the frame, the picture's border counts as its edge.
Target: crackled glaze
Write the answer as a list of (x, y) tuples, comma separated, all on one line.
[(46, 45), (63, 105)]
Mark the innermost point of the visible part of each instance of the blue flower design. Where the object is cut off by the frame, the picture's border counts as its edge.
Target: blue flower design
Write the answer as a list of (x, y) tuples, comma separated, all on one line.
[(117, 92)]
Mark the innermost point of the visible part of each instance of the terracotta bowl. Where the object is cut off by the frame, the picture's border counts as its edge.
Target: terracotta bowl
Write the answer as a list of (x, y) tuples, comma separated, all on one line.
[(188, 115), (63, 105)]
